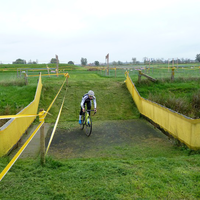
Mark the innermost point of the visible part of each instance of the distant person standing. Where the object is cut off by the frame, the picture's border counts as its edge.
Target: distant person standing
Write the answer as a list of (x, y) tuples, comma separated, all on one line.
[(87, 99)]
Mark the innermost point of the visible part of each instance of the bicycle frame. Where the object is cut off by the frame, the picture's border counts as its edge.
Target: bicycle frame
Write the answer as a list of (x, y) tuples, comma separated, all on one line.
[(87, 122), (86, 117)]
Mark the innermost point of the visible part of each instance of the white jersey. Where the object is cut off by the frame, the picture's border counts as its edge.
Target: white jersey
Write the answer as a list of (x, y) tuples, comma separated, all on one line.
[(87, 99)]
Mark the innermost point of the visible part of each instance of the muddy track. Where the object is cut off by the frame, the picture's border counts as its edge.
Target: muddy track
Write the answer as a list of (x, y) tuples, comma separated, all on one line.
[(106, 136)]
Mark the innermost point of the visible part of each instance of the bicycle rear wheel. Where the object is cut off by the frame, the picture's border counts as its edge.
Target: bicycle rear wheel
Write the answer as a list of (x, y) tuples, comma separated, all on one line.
[(88, 127), (83, 122)]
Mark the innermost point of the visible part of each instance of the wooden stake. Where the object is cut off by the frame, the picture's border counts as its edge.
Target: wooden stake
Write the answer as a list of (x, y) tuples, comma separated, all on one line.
[(168, 65), (48, 70), (66, 82), (57, 64), (25, 77), (139, 76), (42, 137), (42, 145), (172, 76), (149, 63), (177, 63)]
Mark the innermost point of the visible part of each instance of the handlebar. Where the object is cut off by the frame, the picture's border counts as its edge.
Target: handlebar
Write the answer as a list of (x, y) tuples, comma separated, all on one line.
[(89, 111)]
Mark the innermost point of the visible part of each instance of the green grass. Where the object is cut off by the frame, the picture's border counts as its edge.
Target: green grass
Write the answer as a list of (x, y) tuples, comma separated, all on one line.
[(14, 94), (182, 95), (140, 172)]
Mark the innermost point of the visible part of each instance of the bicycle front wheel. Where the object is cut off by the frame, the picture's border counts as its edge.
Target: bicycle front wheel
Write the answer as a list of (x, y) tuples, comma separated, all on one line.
[(88, 127)]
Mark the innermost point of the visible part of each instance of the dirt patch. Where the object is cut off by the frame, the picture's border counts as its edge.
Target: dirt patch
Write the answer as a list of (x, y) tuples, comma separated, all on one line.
[(106, 136), (93, 69)]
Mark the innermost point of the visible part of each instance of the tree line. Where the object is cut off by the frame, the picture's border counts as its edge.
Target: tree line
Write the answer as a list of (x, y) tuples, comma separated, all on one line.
[(146, 60), (52, 61)]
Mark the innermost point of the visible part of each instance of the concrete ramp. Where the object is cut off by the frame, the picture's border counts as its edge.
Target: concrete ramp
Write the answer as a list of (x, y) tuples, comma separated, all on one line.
[(105, 138)]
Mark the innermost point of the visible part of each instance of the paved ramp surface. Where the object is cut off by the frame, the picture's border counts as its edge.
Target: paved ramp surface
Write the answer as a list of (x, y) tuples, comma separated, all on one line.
[(107, 136), (33, 148)]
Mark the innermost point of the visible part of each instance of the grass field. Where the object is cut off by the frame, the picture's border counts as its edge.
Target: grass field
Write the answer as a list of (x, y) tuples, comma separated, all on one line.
[(143, 171)]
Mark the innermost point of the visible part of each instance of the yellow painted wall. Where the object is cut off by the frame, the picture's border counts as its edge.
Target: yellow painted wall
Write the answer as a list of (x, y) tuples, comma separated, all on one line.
[(13, 130), (186, 129)]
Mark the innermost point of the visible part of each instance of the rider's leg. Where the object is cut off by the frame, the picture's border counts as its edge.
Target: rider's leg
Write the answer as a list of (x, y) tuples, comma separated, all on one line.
[(80, 115)]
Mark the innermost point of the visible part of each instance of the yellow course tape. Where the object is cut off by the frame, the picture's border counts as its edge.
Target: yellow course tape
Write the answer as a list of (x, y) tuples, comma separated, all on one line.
[(15, 116), (10, 164), (54, 129), (47, 75), (55, 98)]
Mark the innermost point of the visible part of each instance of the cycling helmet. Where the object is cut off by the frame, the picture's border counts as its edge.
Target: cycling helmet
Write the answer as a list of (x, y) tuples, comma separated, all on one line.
[(91, 93)]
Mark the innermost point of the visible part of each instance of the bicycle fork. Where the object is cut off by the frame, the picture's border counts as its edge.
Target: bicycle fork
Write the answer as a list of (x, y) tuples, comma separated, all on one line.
[(87, 119)]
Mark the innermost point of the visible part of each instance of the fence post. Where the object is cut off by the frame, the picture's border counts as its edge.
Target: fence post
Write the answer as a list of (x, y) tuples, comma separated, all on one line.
[(48, 70), (57, 65), (139, 76), (172, 76), (25, 77), (42, 145), (67, 76), (42, 137)]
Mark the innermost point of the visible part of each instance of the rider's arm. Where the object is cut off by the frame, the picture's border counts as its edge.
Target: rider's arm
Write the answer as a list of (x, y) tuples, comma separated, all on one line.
[(83, 101), (95, 103)]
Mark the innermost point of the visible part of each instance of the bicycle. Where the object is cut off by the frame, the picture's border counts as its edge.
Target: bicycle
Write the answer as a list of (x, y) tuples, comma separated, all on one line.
[(87, 122)]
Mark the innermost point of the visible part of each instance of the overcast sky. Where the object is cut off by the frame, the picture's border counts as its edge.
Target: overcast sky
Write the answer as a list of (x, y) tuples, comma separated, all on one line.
[(72, 29)]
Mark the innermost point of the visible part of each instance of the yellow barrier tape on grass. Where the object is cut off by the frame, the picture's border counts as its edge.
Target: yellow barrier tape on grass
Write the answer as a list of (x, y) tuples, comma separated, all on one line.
[(47, 75), (54, 129), (11, 163), (15, 116)]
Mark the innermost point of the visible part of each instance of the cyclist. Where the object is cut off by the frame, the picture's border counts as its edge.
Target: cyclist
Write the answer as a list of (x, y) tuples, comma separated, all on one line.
[(87, 99)]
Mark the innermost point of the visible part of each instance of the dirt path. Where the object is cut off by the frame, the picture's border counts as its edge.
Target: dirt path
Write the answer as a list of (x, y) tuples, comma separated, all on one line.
[(106, 137)]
